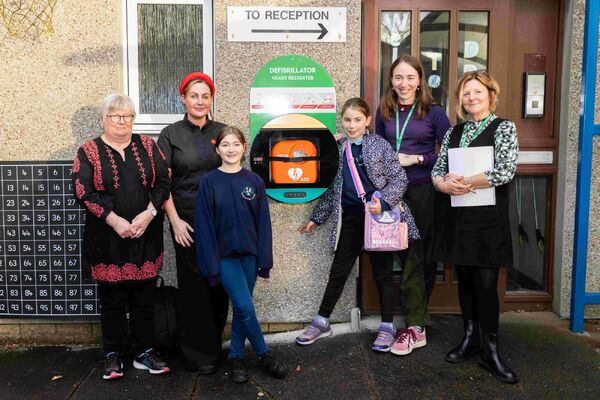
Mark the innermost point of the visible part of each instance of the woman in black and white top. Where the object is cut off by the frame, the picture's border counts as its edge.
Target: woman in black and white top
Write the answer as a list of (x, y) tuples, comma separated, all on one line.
[(477, 240)]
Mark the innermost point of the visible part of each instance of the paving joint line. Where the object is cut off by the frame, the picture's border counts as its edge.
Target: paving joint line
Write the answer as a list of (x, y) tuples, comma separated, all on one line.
[(194, 388), (78, 385), (262, 389), (370, 383)]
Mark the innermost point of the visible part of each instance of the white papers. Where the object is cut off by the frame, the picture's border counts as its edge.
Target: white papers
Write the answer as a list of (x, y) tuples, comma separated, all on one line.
[(470, 161)]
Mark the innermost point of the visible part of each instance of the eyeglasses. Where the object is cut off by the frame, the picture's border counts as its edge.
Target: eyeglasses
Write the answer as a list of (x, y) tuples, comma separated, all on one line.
[(117, 118)]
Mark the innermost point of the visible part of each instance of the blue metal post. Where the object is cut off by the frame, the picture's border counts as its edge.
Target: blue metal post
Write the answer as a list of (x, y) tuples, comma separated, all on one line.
[(587, 130)]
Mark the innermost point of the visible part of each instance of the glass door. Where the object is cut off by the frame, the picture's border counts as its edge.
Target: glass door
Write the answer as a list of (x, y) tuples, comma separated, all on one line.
[(431, 31)]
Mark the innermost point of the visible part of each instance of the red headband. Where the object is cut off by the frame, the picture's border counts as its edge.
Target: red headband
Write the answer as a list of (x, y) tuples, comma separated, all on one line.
[(198, 75)]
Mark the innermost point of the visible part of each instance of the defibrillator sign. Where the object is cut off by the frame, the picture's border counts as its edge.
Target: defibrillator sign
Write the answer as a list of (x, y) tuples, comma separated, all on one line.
[(292, 120)]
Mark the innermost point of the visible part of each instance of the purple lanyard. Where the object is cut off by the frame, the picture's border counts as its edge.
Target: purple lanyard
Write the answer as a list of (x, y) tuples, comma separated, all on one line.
[(360, 190)]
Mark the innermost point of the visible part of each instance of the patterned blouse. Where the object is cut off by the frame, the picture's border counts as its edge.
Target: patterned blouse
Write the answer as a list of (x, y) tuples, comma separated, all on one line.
[(506, 150)]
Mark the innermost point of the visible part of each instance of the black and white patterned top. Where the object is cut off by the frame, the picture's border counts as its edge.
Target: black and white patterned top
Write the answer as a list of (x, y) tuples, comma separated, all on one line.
[(506, 150)]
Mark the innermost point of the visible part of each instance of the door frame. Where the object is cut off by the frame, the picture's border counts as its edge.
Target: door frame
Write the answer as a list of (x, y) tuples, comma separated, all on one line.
[(501, 16)]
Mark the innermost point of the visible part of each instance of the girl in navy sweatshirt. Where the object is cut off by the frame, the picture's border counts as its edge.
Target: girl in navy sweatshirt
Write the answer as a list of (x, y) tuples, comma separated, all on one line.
[(234, 245)]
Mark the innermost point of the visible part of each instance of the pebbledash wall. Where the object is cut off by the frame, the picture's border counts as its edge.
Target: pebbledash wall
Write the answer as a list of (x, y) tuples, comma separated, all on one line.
[(50, 89), (567, 178)]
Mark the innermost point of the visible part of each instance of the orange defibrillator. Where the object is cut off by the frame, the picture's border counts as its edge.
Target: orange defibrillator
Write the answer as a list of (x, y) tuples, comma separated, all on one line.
[(294, 161)]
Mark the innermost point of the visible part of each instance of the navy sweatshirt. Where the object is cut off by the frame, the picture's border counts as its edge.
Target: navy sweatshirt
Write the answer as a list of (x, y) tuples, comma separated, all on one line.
[(351, 203), (232, 219)]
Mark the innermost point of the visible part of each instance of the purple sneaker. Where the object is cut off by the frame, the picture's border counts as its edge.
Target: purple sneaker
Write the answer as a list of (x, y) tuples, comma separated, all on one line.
[(313, 332), (385, 339)]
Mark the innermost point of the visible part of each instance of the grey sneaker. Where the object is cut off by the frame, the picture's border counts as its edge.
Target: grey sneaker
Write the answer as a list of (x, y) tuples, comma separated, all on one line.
[(113, 367), (151, 361), (385, 339), (313, 332)]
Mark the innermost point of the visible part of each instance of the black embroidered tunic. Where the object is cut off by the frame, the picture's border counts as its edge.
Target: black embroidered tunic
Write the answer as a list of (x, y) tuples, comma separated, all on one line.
[(104, 182)]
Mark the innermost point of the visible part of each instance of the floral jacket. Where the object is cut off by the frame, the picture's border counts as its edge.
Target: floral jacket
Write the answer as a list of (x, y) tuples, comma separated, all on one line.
[(383, 169)]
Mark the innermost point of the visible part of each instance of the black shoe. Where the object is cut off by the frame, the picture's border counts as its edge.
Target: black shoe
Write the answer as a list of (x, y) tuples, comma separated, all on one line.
[(469, 346), (113, 366), (490, 359), (238, 371), (277, 369), (151, 361), (206, 369)]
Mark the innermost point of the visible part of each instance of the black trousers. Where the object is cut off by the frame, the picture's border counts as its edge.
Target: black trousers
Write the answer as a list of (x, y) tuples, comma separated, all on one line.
[(421, 201), (116, 299), (202, 311), (478, 295), (349, 248)]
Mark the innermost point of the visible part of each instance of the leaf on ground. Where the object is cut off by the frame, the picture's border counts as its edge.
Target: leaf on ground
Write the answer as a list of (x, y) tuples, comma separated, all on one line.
[(56, 377)]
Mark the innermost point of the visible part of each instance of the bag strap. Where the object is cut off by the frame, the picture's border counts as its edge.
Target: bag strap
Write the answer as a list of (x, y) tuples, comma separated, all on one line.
[(360, 190)]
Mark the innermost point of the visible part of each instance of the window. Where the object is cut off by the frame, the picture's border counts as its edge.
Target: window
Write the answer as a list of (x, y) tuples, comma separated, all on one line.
[(164, 41), (395, 41), (434, 40)]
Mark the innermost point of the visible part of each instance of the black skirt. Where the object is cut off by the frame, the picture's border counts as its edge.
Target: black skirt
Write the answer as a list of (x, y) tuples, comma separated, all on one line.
[(473, 235)]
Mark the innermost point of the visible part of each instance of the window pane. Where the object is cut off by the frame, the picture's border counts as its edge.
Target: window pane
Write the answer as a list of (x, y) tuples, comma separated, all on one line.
[(473, 31), (528, 213), (395, 41), (434, 33), (169, 47)]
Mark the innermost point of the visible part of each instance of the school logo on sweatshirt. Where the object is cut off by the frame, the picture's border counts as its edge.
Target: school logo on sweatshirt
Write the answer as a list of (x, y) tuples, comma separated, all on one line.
[(249, 193)]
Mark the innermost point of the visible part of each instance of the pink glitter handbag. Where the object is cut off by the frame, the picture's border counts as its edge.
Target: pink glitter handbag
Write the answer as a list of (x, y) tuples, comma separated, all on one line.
[(383, 232)]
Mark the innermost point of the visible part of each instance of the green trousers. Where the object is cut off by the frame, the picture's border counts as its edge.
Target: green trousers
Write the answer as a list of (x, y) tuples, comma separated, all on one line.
[(412, 288)]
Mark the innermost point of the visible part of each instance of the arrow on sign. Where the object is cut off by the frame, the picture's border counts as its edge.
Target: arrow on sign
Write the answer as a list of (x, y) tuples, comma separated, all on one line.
[(323, 31)]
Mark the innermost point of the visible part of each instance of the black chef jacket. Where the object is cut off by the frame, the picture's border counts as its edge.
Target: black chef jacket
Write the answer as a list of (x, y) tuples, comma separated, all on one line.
[(190, 154)]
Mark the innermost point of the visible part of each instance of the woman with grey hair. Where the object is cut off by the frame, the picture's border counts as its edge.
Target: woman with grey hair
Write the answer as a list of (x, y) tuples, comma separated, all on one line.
[(122, 180)]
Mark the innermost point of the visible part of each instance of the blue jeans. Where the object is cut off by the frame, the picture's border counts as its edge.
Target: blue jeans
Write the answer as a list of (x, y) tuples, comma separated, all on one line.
[(238, 275)]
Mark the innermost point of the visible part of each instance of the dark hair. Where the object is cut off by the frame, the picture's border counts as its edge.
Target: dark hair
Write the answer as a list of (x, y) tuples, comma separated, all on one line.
[(230, 130), (423, 99), (358, 104)]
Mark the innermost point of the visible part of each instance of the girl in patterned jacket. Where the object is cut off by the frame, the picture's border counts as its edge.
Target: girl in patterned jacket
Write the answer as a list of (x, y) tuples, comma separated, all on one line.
[(379, 170)]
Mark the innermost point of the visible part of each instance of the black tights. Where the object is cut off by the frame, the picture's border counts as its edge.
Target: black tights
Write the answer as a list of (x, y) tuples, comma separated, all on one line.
[(478, 295), (348, 250)]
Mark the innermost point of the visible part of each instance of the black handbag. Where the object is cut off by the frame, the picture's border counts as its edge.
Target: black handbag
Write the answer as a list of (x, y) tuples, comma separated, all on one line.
[(166, 335)]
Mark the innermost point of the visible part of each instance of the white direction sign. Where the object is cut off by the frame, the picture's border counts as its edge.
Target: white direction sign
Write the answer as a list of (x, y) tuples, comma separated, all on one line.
[(286, 24)]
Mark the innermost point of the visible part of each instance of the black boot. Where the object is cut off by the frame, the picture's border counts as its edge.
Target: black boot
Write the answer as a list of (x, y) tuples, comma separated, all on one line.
[(274, 367), (238, 371), (469, 346), (490, 359)]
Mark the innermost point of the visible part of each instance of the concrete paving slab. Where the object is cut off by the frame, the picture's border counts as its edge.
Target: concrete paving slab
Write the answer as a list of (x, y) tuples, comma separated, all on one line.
[(137, 384), (550, 365), (28, 373), (330, 368), (220, 387), (551, 362)]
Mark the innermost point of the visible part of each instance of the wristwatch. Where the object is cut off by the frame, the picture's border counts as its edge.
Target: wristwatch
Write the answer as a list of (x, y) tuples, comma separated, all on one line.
[(152, 211), (420, 159)]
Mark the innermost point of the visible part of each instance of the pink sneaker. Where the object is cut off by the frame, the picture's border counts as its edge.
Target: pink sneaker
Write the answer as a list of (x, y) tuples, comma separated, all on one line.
[(408, 339)]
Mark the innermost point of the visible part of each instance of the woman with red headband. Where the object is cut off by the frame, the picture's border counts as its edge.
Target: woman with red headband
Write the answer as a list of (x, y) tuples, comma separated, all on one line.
[(189, 151)]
